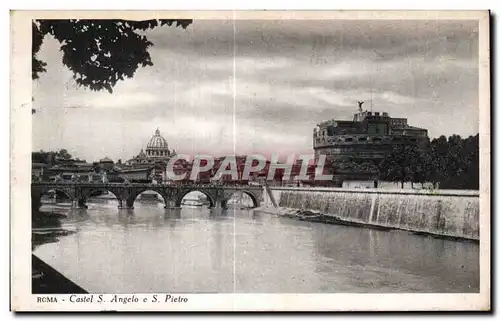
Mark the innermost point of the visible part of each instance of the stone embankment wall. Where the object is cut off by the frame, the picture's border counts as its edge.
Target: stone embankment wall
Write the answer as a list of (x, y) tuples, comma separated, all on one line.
[(443, 212)]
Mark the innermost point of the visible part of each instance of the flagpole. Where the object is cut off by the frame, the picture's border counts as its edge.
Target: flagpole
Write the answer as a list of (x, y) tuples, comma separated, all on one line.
[(371, 97)]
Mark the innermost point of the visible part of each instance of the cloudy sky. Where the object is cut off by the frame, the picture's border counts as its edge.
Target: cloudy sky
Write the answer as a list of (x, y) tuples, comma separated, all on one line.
[(260, 86)]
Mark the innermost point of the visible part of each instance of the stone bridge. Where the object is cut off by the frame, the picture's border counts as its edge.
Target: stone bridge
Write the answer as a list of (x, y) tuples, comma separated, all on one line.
[(126, 194)]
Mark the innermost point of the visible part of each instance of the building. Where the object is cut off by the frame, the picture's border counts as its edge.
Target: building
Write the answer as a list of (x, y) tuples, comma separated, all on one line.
[(106, 163), (353, 148), (156, 152), (155, 157), (81, 171), (135, 174), (39, 170)]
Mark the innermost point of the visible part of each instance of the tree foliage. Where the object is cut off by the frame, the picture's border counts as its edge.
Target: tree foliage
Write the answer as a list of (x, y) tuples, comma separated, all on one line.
[(451, 162), (402, 164), (63, 153), (461, 170), (98, 52), (51, 158), (43, 157)]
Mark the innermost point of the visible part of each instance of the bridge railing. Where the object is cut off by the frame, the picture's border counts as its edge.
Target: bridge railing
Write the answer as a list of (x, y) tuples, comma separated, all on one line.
[(101, 184)]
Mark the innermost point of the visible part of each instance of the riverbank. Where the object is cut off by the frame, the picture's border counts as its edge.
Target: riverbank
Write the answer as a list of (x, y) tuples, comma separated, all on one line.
[(447, 213), (46, 228), (46, 280), (317, 217)]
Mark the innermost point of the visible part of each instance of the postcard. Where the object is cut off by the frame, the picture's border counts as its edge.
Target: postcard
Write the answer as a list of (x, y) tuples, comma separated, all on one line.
[(250, 161)]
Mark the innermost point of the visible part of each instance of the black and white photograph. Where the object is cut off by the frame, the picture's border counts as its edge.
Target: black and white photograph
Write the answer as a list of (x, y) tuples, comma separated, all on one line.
[(238, 154)]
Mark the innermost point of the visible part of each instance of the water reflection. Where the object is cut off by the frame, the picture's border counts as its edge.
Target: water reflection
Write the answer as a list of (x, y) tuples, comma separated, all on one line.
[(196, 249)]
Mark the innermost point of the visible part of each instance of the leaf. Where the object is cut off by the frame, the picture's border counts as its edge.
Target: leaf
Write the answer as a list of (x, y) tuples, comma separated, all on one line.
[(99, 52)]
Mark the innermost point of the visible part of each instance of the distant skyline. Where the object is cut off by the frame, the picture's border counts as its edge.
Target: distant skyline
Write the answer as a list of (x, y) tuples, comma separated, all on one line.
[(280, 77)]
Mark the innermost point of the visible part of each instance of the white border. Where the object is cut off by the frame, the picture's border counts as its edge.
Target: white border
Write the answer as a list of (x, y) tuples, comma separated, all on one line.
[(20, 171)]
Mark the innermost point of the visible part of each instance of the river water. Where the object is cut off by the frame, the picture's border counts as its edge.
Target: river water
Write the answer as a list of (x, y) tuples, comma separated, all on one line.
[(193, 249)]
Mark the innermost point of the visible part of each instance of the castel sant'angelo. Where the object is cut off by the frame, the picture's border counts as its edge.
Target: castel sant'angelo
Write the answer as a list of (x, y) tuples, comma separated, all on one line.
[(364, 141)]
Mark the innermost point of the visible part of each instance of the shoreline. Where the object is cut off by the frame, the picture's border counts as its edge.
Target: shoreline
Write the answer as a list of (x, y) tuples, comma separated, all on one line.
[(47, 280), (46, 228), (317, 217)]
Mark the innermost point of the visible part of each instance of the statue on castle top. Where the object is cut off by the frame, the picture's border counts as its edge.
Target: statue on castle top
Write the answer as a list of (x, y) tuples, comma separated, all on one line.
[(360, 104)]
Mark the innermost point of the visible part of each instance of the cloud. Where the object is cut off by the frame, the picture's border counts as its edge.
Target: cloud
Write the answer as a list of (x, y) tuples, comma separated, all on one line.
[(280, 77)]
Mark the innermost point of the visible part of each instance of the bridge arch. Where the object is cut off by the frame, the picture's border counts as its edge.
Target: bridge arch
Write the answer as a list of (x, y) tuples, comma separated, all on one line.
[(133, 196), (92, 193), (36, 196), (210, 198), (253, 197), (57, 191)]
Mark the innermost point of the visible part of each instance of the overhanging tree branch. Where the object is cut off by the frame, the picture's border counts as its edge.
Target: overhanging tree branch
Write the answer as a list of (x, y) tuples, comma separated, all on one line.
[(100, 53)]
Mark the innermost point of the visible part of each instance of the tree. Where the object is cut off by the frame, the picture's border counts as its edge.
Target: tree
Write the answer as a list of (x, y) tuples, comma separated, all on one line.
[(472, 165), (98, 52), (63, 153), (402, 164), (49, 157), (455, 162), (40, 157), (421, 168), (463, 158), (438, 172)]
